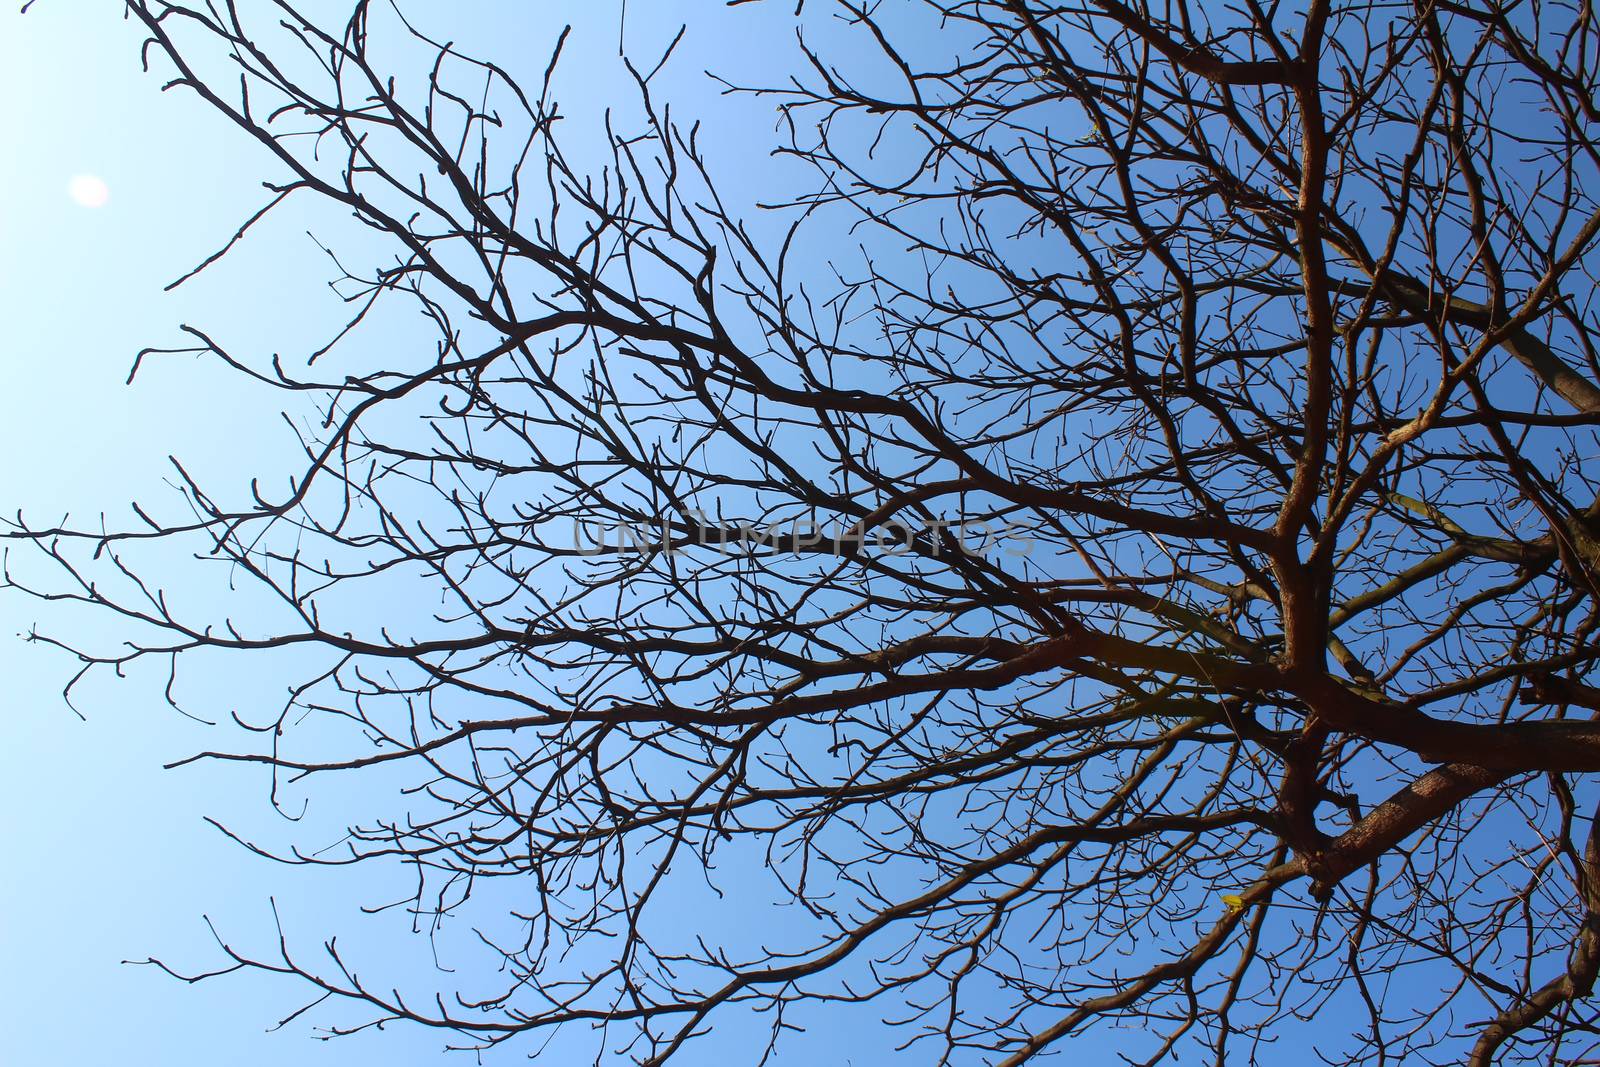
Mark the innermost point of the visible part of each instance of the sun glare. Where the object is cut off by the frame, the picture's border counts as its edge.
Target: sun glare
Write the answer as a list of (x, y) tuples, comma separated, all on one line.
[(88, 190)]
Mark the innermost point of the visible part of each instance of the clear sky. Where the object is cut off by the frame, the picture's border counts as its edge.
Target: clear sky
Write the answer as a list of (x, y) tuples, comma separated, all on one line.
[(107, 856)]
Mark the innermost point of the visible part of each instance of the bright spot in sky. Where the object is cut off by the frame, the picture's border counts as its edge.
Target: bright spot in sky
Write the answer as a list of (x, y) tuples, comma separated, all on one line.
[(88, 190)]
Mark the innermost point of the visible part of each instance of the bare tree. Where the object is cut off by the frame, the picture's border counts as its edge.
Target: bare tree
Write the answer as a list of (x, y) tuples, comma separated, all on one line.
[(1147, 575)]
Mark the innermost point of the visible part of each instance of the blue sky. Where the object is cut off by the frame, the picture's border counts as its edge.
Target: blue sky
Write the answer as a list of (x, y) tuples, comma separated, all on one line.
[(108, 856)]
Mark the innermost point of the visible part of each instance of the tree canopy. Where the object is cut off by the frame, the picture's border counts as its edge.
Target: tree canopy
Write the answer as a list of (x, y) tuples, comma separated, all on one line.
[(1114, 545)]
